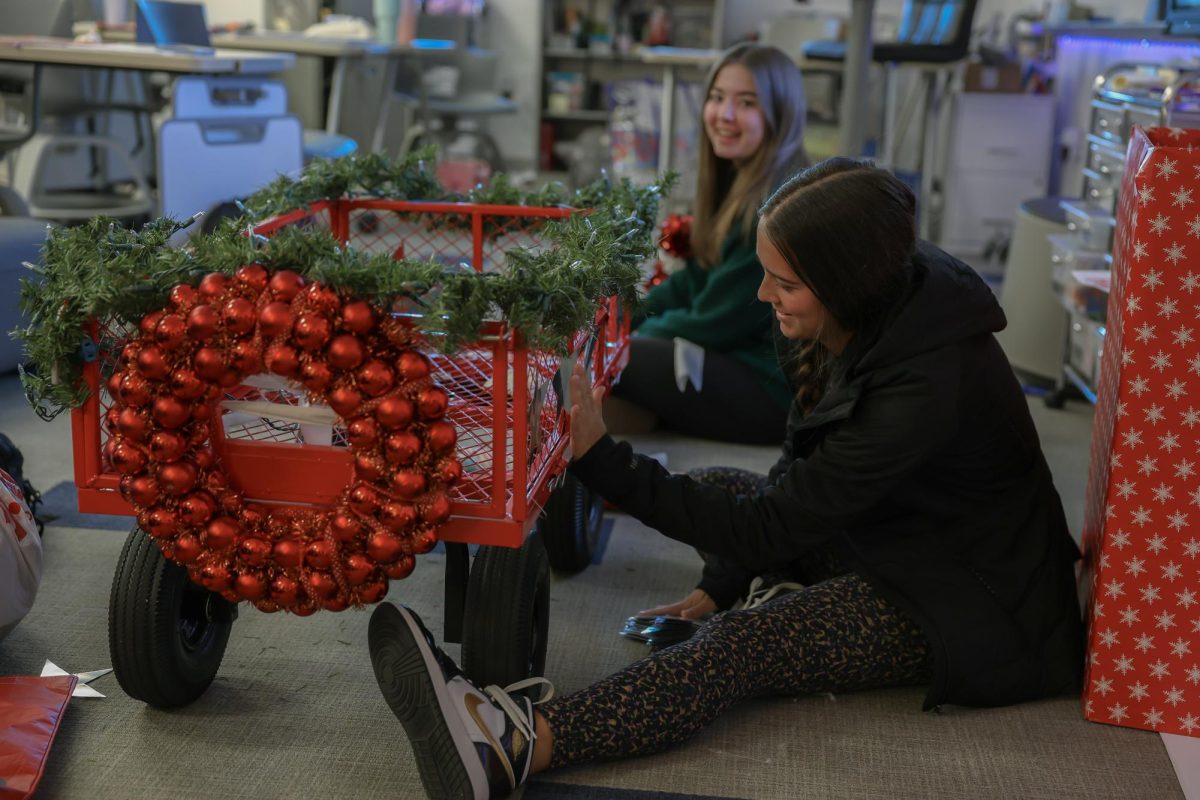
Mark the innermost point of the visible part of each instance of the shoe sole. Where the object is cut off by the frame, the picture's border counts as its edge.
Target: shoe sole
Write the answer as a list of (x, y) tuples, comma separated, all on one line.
[(404, 668)]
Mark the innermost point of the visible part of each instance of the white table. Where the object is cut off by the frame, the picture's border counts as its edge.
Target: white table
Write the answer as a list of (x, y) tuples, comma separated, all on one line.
[(41, 51), (669, 58)]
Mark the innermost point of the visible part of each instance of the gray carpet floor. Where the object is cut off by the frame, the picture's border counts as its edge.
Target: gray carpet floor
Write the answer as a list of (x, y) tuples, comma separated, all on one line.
[(295, 711)]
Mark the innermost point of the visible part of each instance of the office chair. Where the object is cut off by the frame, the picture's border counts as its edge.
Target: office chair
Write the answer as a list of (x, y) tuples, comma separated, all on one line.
[(933, 35), (63, 99)]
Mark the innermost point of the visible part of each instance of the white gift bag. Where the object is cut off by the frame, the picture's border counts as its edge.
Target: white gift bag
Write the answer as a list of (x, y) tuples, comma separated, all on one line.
[(20, 555)]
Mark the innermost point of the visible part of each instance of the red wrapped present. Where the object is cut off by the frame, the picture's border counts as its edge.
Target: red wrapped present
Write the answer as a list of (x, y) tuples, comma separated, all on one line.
[(1142, 520)]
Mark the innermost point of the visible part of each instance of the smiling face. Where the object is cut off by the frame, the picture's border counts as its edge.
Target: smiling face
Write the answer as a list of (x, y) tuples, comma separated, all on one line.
[(733, 120), (800, 314)]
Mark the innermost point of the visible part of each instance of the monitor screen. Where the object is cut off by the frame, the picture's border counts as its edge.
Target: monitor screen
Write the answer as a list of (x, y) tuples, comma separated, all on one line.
[(164, 22)]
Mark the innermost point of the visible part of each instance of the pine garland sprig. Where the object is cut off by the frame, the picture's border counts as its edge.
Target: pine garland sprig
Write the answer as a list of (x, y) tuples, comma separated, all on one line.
[(102, 271)]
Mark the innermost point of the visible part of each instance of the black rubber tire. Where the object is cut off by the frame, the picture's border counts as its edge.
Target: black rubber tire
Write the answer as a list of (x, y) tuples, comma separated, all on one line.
[(166, 635), (570, 525), (507, 618)]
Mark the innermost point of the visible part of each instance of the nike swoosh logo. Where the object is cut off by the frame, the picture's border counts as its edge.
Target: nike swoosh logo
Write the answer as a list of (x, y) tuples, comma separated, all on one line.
[(473, 702)]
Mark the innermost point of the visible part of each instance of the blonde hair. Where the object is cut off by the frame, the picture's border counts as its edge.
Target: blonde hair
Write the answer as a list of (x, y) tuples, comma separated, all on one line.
[(728, 195)]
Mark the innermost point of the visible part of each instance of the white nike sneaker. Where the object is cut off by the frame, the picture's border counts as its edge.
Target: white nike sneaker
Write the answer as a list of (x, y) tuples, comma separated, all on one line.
[(470, 744)]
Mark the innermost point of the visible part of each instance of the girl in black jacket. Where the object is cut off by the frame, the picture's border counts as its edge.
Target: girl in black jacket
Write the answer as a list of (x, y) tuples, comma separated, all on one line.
[(912, 500)]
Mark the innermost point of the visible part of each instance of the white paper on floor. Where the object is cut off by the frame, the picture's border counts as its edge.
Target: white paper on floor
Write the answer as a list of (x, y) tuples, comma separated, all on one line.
[(50, 669)]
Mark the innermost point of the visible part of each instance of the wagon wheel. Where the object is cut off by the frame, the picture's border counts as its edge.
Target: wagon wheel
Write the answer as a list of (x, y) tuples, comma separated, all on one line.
[(507, 614), (570, 524), (166, 635)]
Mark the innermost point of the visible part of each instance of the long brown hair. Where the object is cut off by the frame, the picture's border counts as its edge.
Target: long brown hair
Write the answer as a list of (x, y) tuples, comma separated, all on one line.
[(727, 195), (847, 229)]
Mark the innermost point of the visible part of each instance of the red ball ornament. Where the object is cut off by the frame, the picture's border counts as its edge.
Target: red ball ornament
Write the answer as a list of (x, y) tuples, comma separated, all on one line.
[(253, 517), (448, 471), (246, 357), (230, 377), (134, 390), (358, 317), (161, 523), (312, 331), (284, 590), (187, 548), (424, 540), (373, 592), (114, 384), (375, 378), (209, 363), (437, 510), (197, 508), (441, 436), (171, 332), (267, 606), (345, 352), (344, 527), (133, 423), (129, 354), (152, 364), (254, 551), (323, 298), (369, 467), (397, 517), (149, 323), (251, 276), (250, 586), (127, 459), (168, 445), (213, 285), (322, 585), (177, 479), (315, 375), (204, 458), (357, 568), (141, 490), (304, 609), (364, 500), (183, 297), (275, 319), (287, 553), (285, 284), (432, 402), (202, 322), (282, 360), (395, 412), (362, 432), (170, 412), (402, 447), (215, 577), (384, 548), (401, 569), (409, 483), (319, 554), (221, 534), (412, 365), (186, 384), (110, 419), (216, 482), (345, 401), (239, 316), (335, 603), (676, 235)]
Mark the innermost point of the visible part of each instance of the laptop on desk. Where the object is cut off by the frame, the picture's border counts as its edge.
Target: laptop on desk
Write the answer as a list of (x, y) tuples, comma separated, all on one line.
[(171, 25)]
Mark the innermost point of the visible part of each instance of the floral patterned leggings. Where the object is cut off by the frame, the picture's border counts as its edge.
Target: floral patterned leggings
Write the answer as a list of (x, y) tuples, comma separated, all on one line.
[(835, 635)]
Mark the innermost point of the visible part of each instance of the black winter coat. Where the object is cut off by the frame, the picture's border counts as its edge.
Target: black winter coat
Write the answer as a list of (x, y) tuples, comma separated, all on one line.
[(921, 468)]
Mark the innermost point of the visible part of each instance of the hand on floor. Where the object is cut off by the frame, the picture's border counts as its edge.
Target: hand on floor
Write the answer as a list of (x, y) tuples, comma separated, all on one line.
[(694, 606)]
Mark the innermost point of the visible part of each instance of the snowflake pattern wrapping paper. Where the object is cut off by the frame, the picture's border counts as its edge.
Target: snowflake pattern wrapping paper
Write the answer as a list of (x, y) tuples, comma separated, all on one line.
[(1142, 519)]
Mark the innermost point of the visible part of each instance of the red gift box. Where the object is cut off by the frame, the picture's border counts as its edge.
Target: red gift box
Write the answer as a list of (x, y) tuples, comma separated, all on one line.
[(1141, 540)]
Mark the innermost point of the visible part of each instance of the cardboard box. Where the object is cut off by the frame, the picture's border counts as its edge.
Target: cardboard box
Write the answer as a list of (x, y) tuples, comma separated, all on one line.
[(983, 78)]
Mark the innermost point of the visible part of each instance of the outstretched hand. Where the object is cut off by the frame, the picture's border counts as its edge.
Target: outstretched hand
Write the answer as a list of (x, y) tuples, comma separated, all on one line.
[(587, 417), (694, 606)]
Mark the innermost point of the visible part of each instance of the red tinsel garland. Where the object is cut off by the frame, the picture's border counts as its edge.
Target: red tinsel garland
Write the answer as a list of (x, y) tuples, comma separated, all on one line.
[(348, 355)]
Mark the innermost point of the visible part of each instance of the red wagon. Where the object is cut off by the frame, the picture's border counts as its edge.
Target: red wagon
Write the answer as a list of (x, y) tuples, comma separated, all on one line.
[(167, 634)]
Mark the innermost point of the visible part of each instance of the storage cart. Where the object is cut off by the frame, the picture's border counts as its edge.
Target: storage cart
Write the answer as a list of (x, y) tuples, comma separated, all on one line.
[(168, 634)]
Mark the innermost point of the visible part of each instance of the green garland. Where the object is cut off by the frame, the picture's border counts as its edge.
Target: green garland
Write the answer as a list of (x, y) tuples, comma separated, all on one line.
[(103, 271)]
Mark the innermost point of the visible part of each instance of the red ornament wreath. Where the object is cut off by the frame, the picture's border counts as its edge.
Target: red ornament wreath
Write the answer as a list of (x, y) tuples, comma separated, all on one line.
[(347, 355)]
